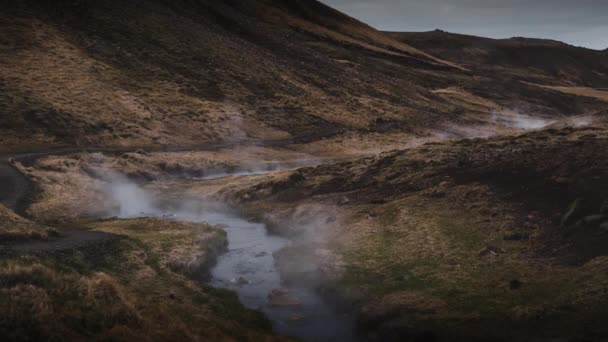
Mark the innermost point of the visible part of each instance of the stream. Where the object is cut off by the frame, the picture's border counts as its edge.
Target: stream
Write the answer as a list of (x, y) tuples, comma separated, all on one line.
[(248, 267)]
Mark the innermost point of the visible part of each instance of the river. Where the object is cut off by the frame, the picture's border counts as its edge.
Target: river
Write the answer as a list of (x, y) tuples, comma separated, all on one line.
[(248, 267)]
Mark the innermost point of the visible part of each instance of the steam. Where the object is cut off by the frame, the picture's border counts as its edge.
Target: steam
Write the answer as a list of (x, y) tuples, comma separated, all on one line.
[(253, 169), (126, 199), (581, 121), (516, 120)]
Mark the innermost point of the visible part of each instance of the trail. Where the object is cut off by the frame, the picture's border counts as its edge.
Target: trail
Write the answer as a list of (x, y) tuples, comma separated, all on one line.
[(17, 190), (67, 241), (13, 186)]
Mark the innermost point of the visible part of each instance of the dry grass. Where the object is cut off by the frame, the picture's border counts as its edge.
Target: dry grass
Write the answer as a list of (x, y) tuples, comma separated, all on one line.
[(108, 76), (65, 78), (581, 91), (136, 290), (15, 227), (72, 185), (187, 248), (422, 241)]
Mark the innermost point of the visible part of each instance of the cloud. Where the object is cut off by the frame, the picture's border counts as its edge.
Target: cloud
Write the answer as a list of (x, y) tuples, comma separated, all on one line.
[(581, 23)]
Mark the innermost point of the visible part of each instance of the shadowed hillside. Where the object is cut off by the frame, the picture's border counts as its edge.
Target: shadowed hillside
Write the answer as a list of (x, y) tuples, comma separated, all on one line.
[(153, 72), (546, 61), (106, 72), (477, 240)]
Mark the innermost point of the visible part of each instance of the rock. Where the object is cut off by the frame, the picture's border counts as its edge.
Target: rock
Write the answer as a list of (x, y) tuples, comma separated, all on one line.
[(242, 281), (280, 297), (515, 284), (344, 201), (297, 177), (52, 233), (296, 317), (285, 301), (516, 237), (604, 208), (261, 254), (277, 292)]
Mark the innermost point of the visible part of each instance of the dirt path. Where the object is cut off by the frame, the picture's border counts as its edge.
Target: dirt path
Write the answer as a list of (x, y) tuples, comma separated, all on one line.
[(16, 190), (13, 186), (67, 241)]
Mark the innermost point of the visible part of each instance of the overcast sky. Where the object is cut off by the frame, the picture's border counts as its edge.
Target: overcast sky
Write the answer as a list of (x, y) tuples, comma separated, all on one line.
[(577, 22)]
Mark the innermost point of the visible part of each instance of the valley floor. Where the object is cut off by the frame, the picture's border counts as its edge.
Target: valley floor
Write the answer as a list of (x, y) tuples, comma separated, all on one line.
[(471, 239)]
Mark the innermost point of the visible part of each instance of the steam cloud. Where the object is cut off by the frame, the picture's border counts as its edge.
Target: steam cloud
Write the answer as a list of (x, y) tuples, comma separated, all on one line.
[(515, 119), (126, 198)]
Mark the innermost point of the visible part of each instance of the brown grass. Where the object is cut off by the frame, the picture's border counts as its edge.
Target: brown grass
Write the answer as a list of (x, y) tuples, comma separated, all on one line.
[(136, 290), (422, 240), (14, 227), (581, 91)]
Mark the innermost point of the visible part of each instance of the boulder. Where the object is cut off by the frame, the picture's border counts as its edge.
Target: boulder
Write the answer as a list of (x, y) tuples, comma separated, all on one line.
[(515, 284), (516, 237)]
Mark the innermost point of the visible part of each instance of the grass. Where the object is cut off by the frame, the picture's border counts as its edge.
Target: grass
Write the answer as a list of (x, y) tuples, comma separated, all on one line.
[(442, 265), (142, 73), (139, 288), (424, 243), (15, 227)]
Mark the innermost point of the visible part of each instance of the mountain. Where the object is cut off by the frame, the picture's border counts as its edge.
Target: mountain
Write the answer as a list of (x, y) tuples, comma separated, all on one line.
[(541, 60), (185, 72)]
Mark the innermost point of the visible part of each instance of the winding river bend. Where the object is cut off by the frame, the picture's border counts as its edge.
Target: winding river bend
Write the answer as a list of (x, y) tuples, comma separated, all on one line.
[(248, 268)]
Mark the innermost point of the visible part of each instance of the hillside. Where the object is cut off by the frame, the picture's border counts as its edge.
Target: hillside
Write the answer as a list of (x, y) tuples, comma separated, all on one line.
[(138, 73), (271, 170), (545, 61), (154, 72), (476, 240)]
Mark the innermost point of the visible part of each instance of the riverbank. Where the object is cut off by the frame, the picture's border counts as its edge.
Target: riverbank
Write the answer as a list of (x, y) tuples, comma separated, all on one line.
[(447, 240), (137, 285), (470, 240)]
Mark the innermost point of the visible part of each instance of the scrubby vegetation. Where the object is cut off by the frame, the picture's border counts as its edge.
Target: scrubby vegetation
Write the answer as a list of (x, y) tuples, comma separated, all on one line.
[(475, 239), (15, 227), (154, 73), (137, 287)]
